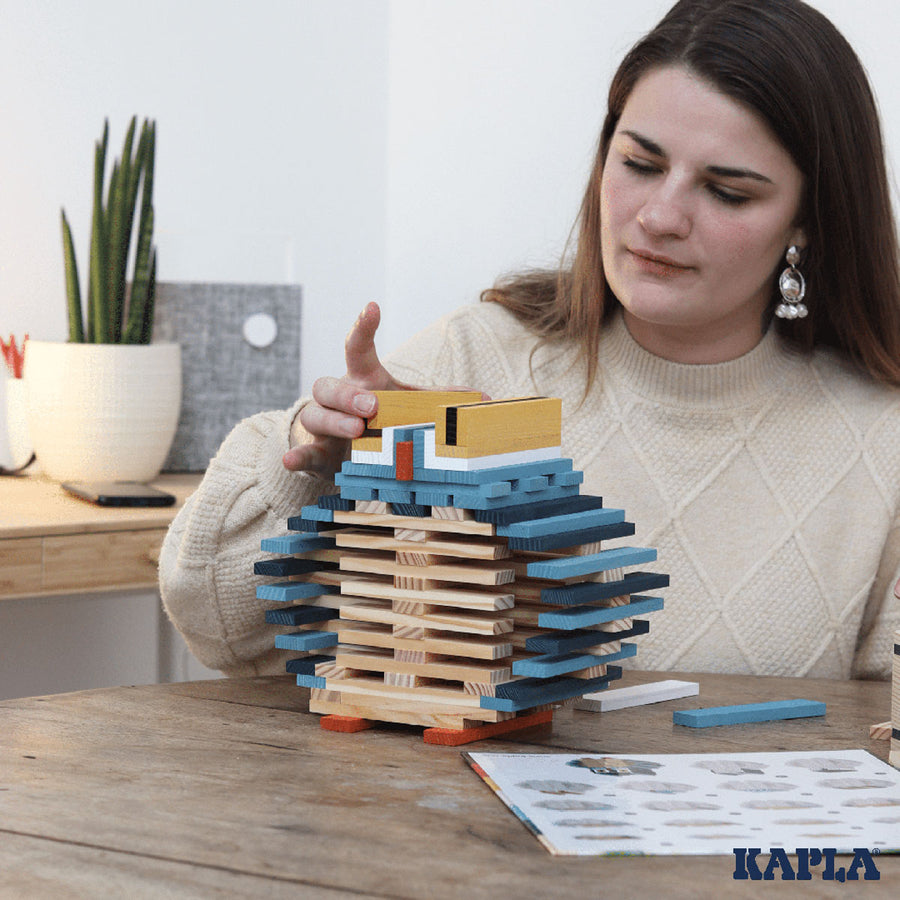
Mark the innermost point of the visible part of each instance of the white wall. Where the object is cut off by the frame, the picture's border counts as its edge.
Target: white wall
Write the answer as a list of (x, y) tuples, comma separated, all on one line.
[(406, 151), (270, 148)]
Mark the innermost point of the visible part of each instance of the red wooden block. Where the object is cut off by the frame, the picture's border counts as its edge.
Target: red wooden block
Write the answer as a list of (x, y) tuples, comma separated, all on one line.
[(404, 457), (453, 737), (347, 724)]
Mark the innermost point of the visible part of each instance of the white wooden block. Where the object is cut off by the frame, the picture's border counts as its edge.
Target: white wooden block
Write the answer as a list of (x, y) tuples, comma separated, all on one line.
[(638, 695), (459, 464)]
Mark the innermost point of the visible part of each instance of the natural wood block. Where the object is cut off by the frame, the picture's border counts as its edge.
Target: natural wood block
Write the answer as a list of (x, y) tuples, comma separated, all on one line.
[(476, 572), (422, 544), (372, 507), (430, 523), (468, 623), (405, 713), (880, 731), (458, 598)]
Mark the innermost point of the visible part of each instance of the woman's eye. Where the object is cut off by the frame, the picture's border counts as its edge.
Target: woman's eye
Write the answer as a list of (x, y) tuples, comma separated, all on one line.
[(726, 196), (644, 168)]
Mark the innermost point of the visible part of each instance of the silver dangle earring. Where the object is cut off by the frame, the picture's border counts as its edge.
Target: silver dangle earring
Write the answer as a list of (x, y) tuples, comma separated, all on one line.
[(793, 288)]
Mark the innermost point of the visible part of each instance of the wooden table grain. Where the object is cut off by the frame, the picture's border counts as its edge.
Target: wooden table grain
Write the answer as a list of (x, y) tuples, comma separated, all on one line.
[(231, 789)]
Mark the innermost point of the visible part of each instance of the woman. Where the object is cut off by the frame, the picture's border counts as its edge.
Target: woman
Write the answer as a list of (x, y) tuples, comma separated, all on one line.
[(726, 342)]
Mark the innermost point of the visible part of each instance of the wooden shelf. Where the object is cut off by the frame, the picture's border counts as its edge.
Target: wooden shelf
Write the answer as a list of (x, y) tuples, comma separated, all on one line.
[(54, 543)]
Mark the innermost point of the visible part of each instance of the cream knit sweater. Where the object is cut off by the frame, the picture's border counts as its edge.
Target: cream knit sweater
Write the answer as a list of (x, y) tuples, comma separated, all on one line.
[(770, 486)]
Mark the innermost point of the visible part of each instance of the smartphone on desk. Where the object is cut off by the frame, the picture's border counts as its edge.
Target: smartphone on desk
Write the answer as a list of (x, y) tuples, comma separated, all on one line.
[(119, 493)]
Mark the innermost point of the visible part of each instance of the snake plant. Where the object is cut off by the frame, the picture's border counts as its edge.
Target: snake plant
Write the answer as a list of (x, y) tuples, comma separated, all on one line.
[(116, 312)]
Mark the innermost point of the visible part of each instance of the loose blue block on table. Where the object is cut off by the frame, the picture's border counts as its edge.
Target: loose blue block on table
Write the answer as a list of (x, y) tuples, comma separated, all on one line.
[(748, 712)]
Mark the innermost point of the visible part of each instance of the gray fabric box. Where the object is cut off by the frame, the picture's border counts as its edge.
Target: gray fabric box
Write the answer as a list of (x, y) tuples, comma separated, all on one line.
[(225, 378)]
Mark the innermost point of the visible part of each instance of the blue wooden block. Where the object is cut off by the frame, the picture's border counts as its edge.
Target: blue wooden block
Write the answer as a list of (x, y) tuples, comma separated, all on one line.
[(569, 641), (546, 468), (311, 681), (748, 712), (495, 489), (314, 514), (594, 591), (306, 640), (517, 499), (334, 501), (405, 433), (572, 538), (306, 665), (301, 542), (550, 665), (538, 509), (367, 470), (586, 616), (300, 615), (588, 518), (573, 566), (532, 483), (291, 591), (517, 695), (576, 477), (392, 494), (359, 493), (433, 498)]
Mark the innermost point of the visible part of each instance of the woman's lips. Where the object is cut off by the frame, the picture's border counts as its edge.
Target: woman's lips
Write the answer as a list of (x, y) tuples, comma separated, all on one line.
[(654, 264)]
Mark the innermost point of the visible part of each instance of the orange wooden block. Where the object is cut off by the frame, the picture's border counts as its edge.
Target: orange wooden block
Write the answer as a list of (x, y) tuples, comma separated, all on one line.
[(347, 724), (404, 458), (453, 737)]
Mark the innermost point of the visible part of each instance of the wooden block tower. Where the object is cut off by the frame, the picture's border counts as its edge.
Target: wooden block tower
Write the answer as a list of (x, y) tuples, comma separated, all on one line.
[(457, 581)]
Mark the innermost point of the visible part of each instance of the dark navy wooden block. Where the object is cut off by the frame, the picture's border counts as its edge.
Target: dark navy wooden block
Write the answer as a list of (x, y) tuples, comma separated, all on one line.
[(300, 615), (567, 641), (290, 565), (571, 538), (538, 510), (592, 591), (306, 665)]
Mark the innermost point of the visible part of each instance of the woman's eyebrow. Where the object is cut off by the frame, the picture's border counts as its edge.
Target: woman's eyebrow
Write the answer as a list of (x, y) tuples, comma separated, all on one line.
[(721, 171)]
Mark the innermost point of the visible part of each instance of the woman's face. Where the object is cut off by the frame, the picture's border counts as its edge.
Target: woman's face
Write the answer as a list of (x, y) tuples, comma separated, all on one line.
[(699, 203)]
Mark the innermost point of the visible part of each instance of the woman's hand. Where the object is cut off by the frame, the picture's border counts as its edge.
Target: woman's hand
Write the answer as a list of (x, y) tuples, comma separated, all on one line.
[(322, 432), (340, 406)]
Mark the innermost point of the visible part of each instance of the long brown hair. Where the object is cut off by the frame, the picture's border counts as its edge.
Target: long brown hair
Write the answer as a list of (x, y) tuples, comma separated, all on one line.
[(787, 62)]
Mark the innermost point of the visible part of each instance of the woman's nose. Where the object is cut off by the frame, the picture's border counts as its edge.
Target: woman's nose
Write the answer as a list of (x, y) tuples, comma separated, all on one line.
[(664, 214)]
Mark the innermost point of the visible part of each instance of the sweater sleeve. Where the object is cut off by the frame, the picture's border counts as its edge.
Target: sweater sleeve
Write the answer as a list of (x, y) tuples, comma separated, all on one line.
[(881, 619), (206, 565)]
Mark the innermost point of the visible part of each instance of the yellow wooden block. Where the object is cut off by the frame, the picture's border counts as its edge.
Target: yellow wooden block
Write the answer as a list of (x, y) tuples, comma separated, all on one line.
[(501, 426), (370, 443), (413, 407)]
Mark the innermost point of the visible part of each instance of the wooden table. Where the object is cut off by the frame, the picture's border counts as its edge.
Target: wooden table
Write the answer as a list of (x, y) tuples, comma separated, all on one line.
[(228, 788), (53, 543)]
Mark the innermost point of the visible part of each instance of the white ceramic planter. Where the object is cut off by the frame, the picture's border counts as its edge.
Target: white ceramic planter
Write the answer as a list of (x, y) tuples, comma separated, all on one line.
[(102, 412), (20, 448)]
